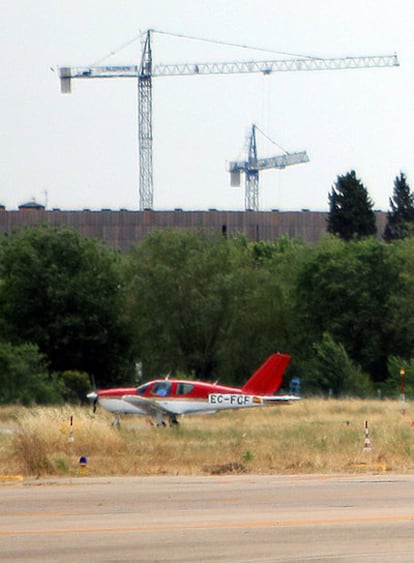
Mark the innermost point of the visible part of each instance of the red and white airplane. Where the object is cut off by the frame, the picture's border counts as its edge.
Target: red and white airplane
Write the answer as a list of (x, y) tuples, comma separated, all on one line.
[(169, 398)]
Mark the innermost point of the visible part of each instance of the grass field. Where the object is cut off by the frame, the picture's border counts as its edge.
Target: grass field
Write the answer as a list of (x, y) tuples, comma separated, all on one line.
[(310, 436)]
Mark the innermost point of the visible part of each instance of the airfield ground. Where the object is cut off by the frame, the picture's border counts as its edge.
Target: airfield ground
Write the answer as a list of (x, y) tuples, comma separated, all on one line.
[(243, 518), (309, 436)]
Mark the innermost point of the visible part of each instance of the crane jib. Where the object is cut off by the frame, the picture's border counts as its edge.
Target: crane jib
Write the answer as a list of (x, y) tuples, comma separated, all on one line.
[(266, 67)]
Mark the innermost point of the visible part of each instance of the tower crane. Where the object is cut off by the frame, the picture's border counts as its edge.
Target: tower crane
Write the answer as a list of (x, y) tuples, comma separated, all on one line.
[(146, 71), (253, 165)]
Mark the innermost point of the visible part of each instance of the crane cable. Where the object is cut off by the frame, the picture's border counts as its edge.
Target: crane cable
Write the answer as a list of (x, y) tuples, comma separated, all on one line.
[(205, 40), (115, 51), (228, 44), (271, 140)]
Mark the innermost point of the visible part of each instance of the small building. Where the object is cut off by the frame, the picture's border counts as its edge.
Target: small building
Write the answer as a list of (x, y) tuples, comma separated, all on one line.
[(31, 205)]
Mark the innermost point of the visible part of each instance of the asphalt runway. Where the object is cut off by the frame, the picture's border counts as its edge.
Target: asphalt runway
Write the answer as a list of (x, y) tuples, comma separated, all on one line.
[(244, 518)]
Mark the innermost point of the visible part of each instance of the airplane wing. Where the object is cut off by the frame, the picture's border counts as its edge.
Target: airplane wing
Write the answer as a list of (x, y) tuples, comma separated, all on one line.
[(154, 407), (216, 402), (148, 407)]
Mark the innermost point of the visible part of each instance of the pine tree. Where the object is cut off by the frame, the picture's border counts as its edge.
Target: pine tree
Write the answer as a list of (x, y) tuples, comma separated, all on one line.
[(350, 215), (400, 219)]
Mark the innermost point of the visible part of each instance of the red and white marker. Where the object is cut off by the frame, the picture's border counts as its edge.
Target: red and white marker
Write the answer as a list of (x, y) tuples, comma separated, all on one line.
[(367, 441)]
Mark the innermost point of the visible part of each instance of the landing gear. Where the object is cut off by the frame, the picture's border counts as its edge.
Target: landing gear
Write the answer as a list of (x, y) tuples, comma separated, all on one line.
[(173, 420), (160, 420), (117, 421)]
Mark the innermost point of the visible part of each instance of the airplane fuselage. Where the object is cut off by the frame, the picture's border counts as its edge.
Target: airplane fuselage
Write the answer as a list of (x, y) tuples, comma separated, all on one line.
[(173, 397), (176, 396)]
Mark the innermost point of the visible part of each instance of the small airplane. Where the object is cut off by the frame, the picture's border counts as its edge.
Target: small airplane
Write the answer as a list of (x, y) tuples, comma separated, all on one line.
[(169, 398)]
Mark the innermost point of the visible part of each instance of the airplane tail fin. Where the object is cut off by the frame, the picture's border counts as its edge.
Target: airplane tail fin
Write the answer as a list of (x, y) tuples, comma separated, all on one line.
[(268, 378)]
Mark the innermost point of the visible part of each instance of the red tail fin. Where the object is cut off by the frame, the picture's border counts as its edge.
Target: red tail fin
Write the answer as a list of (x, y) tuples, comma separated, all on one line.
[(268, 378)]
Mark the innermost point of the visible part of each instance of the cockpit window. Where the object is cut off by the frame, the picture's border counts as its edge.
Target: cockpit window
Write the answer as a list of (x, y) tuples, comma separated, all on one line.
[(161, 388), (184, 388), (141, 389)]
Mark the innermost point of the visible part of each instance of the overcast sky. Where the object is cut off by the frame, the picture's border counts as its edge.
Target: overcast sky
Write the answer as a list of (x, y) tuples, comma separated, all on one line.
[(80, 151)]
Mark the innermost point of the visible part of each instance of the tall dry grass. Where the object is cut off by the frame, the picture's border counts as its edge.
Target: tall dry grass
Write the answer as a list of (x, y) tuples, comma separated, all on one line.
[(311, 436)]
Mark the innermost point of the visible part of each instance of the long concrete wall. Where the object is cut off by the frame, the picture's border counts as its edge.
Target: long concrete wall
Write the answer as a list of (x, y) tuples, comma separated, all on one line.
[(123, 229)]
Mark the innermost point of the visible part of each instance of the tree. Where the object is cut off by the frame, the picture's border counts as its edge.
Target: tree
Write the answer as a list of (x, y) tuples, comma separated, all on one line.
[(181, 290), (346, 289), (401, 306), (24, 378), (400, 220), (350, 214), (264, 320), (64, 293), (205, 305), (332, 372)]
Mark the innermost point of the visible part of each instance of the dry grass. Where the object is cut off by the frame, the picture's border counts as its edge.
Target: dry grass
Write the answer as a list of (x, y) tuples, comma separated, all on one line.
[(312, 436)]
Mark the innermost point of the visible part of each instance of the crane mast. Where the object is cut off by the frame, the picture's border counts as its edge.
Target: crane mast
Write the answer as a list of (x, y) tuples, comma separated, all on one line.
[(145, 127), (252, 174), (146, 71)]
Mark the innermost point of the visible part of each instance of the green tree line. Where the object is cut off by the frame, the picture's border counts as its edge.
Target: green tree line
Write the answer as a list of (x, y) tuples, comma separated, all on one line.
[(75, 313)]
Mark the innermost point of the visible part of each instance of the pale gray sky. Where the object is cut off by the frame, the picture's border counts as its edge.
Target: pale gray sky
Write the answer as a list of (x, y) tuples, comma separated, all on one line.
[(82, 149)]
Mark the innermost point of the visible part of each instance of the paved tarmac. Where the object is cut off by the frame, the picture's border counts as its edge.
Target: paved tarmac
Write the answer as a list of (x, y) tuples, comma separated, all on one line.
[(244, 518)]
